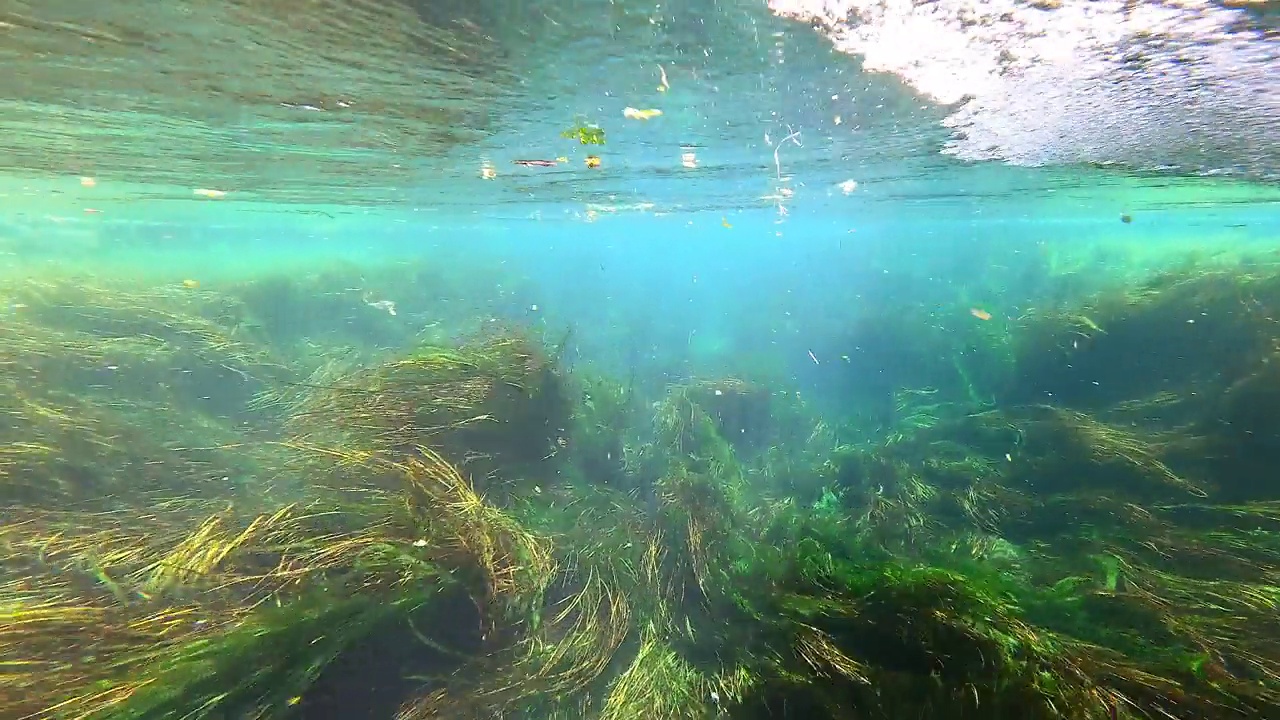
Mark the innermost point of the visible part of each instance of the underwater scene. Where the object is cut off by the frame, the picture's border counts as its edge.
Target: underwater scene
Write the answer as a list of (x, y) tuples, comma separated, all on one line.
[(623, 360)]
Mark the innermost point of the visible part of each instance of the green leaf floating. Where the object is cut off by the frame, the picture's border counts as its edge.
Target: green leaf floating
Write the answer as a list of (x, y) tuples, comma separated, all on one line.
[(586, 134)]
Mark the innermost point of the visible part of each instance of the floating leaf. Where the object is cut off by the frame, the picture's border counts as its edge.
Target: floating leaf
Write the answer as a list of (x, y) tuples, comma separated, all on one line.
[(586, 134), (636, 114)]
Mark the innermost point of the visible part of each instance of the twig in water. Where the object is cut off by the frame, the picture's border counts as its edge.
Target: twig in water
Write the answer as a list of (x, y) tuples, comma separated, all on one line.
[(793, 137)]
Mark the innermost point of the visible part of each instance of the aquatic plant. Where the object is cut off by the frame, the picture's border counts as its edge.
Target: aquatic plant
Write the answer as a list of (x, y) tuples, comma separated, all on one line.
[(245, 617), (494, 404), (462, 531), (606, 423), (584, 132), (113, 391), (1128, 518), (1197, 325)]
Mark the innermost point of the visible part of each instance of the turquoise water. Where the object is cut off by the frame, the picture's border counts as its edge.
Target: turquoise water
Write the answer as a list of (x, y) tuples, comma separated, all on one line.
[(862, 211), (809, 168)]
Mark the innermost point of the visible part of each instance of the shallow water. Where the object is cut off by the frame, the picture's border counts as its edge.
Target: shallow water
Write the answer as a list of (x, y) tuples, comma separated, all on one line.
[(863, 236)]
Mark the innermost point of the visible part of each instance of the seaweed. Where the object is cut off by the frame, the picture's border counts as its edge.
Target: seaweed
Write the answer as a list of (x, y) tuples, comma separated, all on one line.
[(465, 529), (496, 404)]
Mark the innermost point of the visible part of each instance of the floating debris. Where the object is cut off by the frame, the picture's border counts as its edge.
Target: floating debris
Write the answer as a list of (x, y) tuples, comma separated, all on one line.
[(794, 137), (387, 306), (634, 114), (593, 161), (632, 207), (585, 133), (535, 163), (208, 193)]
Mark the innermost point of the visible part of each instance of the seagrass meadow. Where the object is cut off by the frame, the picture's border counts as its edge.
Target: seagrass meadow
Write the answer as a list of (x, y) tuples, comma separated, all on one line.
[(216, 511)]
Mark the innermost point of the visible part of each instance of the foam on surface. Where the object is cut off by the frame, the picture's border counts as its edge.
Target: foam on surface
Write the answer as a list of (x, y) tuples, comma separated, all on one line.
[(1186, 85)]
